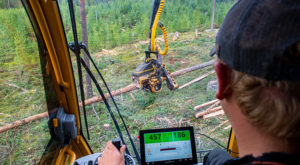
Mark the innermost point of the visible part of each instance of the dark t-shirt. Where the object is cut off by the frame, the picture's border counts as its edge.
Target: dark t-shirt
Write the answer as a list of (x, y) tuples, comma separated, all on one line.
[(221, 157)]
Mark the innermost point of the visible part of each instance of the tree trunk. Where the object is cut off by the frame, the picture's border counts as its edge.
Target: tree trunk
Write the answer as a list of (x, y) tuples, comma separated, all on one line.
[(85, 41), (213, 17), (8, 4)]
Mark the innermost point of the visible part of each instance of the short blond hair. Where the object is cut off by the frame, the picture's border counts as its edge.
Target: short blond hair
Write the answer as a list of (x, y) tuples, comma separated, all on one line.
[(272, 106)]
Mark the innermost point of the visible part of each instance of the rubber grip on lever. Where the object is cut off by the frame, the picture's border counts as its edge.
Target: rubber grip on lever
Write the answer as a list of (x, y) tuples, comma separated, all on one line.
[(117, 143)]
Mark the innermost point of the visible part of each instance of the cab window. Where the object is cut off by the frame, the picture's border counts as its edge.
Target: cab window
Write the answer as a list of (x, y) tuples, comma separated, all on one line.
[(24, 90)]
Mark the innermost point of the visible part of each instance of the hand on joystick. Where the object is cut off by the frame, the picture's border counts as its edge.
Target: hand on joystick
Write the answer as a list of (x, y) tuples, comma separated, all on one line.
[(112, 156)]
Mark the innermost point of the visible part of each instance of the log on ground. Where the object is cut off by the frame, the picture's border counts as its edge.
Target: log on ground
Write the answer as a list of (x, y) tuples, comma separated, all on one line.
[(98, 98), (187, 70), (208, 110), (227, 127), (113, 93), (25, 121), (214, 114), (197, 79), (220, 125), (200, 114), (205, 104), (132, 87)]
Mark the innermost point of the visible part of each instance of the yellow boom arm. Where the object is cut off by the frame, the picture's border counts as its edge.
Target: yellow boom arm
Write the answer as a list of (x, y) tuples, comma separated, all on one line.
[(153, 31)]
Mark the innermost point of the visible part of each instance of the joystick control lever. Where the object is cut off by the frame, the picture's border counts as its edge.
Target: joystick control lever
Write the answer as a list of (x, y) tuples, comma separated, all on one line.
[(117, 143), (93, 159)]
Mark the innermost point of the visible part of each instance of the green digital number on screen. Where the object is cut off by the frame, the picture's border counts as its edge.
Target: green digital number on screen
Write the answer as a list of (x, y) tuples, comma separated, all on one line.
[(167, 137), (181, 135), (155, 137)]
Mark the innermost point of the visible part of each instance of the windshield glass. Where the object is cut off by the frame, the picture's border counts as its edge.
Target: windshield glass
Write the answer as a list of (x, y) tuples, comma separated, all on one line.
[(118, 35), (25, 89), (117, 38)]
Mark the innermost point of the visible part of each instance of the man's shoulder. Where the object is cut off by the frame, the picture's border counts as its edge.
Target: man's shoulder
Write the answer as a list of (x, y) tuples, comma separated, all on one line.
[(216, 157), (273, 158), (221, 157)]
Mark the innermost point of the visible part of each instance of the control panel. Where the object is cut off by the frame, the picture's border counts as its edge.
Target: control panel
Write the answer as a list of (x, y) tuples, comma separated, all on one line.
[(93, 159)]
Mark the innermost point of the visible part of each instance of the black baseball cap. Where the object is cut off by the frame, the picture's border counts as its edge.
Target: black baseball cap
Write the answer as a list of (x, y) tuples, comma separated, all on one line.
[(255, 36)]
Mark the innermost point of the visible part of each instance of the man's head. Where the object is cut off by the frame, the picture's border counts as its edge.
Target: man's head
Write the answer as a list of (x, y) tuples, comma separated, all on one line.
[(258, 47)]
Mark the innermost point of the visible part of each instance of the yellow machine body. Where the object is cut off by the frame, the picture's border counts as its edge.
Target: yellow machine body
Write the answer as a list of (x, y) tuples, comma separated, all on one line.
[(46, 20), (232, 147)]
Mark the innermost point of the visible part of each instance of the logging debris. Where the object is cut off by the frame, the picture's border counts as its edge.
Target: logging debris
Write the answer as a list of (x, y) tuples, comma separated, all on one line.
[(220, 125), (176, 36), (132, 96), (227, 127), (3, 114)]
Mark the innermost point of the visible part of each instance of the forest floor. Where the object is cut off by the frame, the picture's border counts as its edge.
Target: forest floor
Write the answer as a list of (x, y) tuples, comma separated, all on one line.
[(141, 110)]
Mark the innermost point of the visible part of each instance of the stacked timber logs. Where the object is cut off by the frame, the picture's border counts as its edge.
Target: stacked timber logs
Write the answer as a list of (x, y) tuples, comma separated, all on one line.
[(213, 109)]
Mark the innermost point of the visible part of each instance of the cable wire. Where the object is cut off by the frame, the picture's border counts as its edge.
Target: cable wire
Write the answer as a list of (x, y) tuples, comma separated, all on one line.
[(225, 148), (105, 102), (75, 48), (113, 100)]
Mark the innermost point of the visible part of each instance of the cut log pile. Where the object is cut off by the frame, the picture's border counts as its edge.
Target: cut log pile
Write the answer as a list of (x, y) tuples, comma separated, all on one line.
[(118, 92), (205, 104), (211, 109)]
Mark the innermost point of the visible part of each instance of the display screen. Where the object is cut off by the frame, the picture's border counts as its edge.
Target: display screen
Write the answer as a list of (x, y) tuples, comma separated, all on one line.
[(162, 146)]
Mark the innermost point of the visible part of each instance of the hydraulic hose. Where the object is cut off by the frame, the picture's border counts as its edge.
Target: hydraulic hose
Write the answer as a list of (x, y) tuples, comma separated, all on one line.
[(103, 80), (153, 30), (164, 30)]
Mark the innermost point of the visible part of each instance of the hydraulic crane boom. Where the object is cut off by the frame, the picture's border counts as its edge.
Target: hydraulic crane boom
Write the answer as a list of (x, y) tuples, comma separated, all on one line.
[(152, 72)]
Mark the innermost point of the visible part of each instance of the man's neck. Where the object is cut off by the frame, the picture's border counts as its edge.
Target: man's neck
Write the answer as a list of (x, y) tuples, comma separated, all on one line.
[(250, 139)]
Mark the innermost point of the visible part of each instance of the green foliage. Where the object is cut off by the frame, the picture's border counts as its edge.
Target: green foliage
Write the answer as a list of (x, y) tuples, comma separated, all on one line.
[(16, 39), (109, 24)]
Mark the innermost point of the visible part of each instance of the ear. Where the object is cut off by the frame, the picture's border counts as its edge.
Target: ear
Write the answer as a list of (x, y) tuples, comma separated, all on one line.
[(224, 80)]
